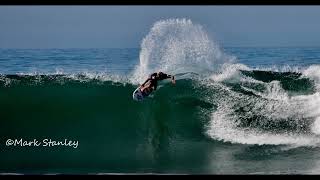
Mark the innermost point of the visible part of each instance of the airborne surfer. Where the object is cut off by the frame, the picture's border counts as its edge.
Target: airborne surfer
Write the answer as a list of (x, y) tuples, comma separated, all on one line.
[(150, 85)]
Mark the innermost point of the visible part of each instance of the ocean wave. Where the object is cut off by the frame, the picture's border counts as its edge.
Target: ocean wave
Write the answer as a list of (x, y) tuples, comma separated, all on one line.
[(242, 108), (230, 101)]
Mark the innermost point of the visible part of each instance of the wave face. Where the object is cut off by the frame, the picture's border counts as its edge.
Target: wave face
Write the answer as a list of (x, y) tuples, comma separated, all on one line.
[(111, 128), (247, 106)]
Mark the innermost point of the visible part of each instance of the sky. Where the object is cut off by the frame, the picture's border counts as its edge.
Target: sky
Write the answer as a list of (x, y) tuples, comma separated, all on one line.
[(126, 26)]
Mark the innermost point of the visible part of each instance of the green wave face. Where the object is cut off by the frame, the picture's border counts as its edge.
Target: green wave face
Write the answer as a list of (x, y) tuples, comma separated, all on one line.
[(112, 129)]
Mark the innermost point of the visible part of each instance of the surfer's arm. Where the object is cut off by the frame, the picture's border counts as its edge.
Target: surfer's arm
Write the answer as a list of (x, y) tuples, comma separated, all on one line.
[(172, 78), (167, 76), (145, 82)]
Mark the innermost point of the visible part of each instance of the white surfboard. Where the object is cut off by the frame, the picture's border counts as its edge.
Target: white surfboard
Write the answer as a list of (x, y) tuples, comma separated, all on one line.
[(137, 95)]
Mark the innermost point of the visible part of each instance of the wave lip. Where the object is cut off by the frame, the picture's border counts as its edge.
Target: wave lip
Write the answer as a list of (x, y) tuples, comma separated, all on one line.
[(60, 78)]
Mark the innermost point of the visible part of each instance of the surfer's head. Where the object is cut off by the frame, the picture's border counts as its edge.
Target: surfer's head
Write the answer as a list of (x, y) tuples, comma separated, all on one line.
[(160, 73)]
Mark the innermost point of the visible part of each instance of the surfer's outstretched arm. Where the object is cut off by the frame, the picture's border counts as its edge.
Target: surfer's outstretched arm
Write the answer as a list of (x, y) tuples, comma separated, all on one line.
[(172, 78), (167, 76)]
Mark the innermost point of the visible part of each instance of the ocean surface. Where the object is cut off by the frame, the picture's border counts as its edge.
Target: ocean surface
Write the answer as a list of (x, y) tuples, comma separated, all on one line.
[(233, 110)]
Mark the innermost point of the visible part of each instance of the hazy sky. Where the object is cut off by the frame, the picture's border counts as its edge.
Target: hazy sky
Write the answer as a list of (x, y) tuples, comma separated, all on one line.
[(125, 26)]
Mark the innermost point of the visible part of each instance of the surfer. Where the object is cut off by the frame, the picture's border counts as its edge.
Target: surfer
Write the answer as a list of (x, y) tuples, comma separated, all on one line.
[(151, 84)]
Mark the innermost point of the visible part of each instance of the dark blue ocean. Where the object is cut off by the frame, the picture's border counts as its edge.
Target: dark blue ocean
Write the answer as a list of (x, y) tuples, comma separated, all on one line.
[(122, 61)]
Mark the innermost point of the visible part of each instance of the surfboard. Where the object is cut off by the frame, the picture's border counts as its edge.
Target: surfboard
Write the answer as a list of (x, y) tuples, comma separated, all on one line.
[(137, 95)]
